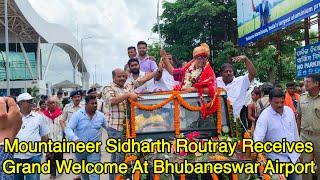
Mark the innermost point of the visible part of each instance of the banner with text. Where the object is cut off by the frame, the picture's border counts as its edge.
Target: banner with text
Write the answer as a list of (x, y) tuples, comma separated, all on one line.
[(308, 60), (259, 18)]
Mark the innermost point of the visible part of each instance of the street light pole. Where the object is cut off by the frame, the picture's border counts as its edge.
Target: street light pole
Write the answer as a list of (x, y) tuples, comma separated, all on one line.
[(81, 44), (7, 45)]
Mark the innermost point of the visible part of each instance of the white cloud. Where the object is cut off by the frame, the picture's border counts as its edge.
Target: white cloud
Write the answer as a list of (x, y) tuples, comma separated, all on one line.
[(125, 21)]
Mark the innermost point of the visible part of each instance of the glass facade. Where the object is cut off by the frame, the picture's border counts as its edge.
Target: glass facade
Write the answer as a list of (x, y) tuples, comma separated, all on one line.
[(18, 67)]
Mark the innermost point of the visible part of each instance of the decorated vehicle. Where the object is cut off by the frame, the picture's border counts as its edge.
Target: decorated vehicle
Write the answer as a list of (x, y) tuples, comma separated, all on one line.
[(172, 115)]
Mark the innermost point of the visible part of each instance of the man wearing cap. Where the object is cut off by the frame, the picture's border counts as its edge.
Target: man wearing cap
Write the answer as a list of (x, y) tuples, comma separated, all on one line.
[(59, 99), (33, 129), (309, 121), (71, 108), (10, 123)]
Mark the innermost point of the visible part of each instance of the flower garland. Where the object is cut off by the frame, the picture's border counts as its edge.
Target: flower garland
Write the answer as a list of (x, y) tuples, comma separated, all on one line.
[(234, 176), (191, 76), (219, 115), (156, 177), (214, 103), (136, 175), (176, 95), (214, 176), (133, 120), (152, 107), (130, 158), (262, 161), (120, 177), (176, 118), (127, 129)]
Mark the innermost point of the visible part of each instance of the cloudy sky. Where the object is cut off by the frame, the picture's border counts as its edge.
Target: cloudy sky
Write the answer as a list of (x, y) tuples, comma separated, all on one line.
[(116, 24)]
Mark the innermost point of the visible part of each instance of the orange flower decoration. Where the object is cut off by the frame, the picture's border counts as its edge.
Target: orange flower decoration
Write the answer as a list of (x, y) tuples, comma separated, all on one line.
[(214, 176), (130, 158)]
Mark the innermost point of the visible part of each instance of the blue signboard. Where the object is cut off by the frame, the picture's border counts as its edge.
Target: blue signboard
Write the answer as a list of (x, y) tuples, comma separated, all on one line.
[(308, 60), (259, 18)]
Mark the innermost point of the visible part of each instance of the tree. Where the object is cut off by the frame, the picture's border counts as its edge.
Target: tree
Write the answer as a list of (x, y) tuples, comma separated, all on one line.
[(154, 50), (34, 91), (186, 23)]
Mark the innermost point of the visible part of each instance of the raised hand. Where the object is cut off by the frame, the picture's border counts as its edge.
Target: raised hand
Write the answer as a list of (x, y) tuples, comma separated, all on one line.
[(241, 58), (10, 119), (163, 53)]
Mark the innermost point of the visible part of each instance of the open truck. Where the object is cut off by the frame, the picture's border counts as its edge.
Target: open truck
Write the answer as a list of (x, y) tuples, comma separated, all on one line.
[(171, 115)]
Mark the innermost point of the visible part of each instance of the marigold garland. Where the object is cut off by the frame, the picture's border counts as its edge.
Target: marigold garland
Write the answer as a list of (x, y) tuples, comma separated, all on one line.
[(176, 118), (130, 158), (261, 158), (133, 120), (219, 115), (214, 176), (120, 177), (156, 177), (174, 95), (136, 175), (152, 107), (214, 103), (182, 177), (127, 129), (234, 176)]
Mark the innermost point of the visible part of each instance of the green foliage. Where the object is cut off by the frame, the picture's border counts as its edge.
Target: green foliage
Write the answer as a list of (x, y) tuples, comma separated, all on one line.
[(34, 91), (188, 23), (185, 24), (154, 50)]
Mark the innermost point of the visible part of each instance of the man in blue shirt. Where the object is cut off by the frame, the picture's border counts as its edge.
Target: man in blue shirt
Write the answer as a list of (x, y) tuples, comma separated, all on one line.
[(264, 8), (85, 125)]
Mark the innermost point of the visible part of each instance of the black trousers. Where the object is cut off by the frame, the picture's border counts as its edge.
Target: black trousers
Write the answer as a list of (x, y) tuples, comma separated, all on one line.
[(53, 164)]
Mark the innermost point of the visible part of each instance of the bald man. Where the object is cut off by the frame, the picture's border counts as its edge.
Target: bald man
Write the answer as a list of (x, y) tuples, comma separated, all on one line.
[(10, 123), (115, 97)]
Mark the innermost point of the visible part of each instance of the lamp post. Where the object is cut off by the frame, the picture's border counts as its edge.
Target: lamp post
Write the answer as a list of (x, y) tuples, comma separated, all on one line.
[(83, 59), (7, 45)]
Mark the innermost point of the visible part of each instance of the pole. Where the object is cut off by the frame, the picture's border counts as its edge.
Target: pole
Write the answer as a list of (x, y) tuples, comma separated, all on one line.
[(95, 73), (306, 31), (82, 77), (158, 21), (319, 27), (7, 45)]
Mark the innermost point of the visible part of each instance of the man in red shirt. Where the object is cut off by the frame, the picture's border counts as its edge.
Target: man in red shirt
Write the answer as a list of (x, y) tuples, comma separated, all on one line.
[(56, 134)]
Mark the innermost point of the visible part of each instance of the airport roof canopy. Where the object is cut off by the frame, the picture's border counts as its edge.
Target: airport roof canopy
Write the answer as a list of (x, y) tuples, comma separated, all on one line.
[(27, 26)]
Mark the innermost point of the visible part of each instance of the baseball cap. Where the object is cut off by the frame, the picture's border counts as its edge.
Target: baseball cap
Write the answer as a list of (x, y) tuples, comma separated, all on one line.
[(24, 97)]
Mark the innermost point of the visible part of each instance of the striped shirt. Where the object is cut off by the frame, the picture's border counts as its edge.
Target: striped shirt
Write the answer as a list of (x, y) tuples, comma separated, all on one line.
[(115, 114)]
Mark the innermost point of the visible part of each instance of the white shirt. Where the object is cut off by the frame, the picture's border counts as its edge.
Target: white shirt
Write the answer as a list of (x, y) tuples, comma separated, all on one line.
[(166, 83), (271, 126), (131, 82), (32, 129), (236, 91)]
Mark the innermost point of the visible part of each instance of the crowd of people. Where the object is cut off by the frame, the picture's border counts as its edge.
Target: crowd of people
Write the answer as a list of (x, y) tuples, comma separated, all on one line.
[(272, 114)]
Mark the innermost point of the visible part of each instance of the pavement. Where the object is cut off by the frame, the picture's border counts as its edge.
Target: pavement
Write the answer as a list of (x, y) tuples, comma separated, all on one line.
[(105, 157)]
